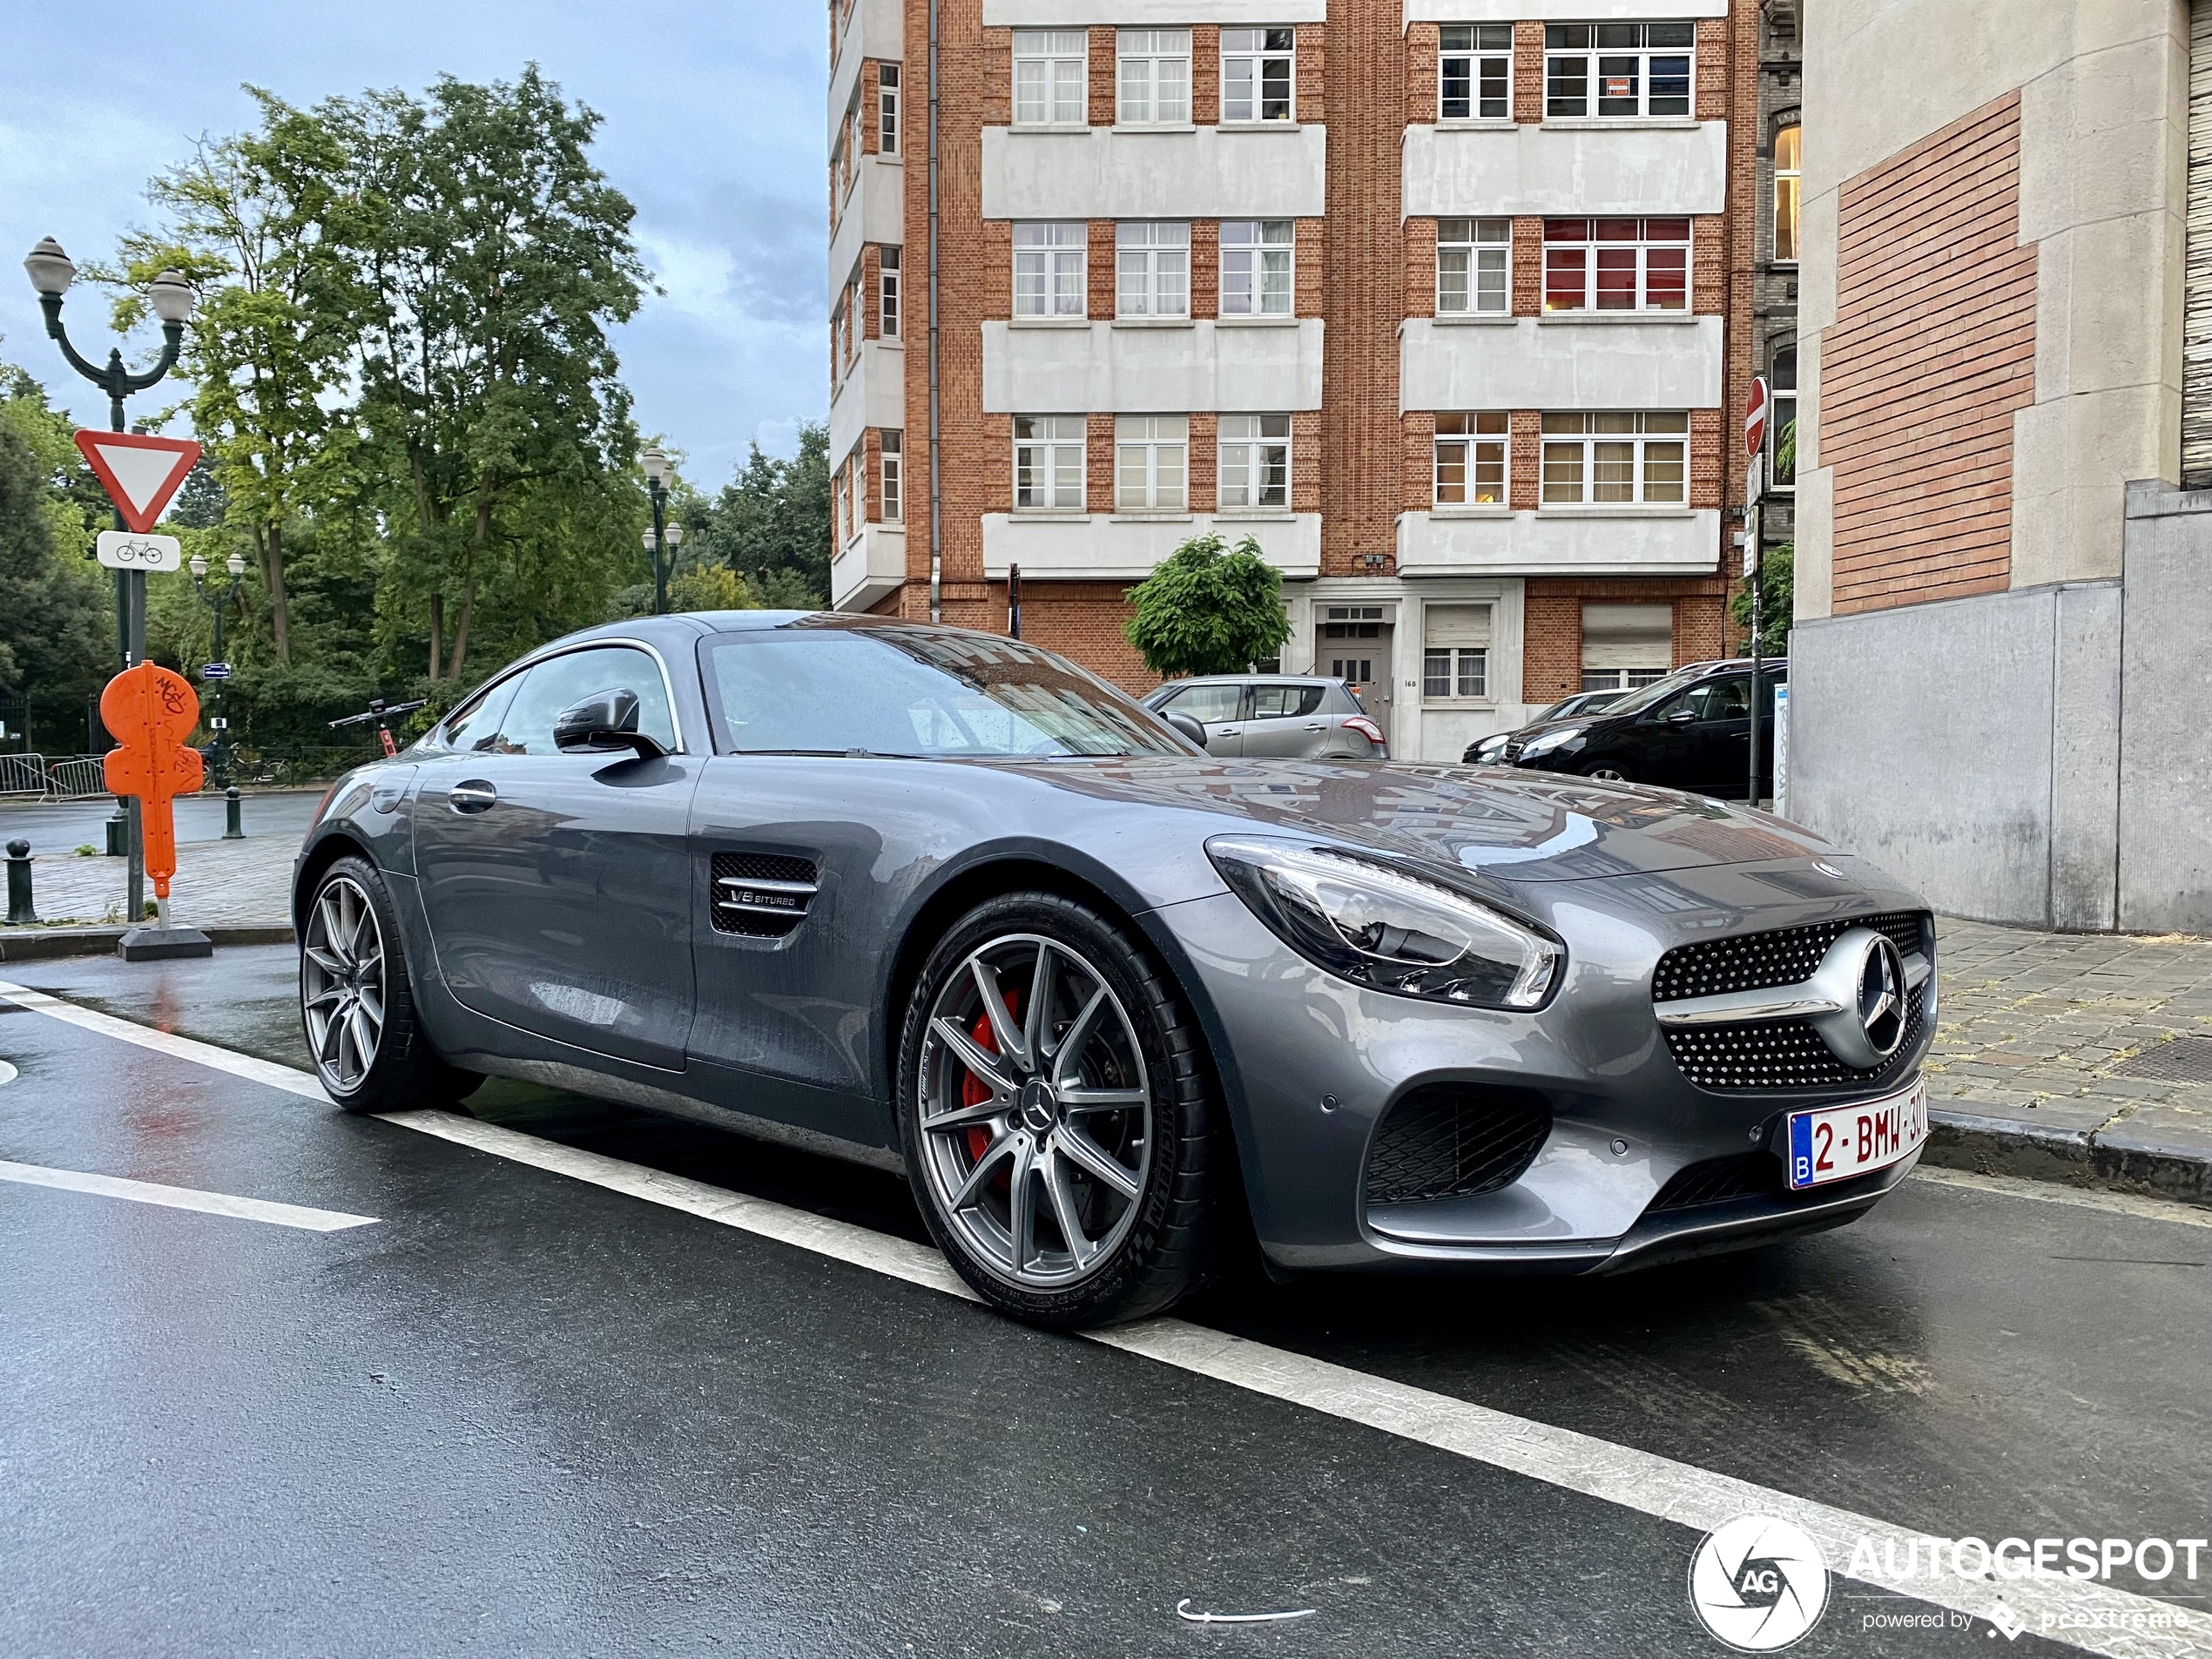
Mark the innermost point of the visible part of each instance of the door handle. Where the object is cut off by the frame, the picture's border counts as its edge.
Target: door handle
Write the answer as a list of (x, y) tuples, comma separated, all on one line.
[(472, 795), (1232, 732), (1315, 725)]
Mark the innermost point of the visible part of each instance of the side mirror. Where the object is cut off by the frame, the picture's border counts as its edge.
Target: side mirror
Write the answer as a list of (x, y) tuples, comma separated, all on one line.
[(1193, 729), (1682, 717), (604, 724)]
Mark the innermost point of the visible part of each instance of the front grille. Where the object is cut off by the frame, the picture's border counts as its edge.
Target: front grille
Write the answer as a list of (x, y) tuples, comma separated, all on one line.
[(1454, 1141), (1513, 747), (763, 896), (1740, 1175), (1760, 961)]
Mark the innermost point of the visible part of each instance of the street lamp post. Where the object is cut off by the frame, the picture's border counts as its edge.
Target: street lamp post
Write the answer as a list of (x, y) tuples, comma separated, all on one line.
[(51, 271), (218, 604), (662, 536)]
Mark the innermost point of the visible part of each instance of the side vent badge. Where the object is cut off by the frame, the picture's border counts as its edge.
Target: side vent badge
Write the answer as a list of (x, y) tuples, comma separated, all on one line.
[(764, 895)]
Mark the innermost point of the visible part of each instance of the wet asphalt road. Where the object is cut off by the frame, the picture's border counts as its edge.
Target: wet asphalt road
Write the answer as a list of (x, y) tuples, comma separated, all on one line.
[(524, 1414)]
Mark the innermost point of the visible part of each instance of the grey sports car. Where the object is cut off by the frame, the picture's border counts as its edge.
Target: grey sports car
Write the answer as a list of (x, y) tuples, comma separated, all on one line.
[(944, 903)]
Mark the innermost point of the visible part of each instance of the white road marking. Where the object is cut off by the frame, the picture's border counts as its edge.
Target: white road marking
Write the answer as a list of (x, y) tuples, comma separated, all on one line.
[(2112, 1204), (1680, 1492), (212, 1204)]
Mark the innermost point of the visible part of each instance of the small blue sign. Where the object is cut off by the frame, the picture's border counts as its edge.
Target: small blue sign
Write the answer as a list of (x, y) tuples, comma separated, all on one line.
[(214, 671)]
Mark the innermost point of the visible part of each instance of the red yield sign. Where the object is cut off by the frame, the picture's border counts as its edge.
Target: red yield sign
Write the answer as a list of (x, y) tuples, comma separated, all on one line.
[(140, 473)]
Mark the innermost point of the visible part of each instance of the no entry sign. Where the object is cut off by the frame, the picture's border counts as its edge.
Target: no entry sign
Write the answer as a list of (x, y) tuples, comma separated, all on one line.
[(1755, 409)]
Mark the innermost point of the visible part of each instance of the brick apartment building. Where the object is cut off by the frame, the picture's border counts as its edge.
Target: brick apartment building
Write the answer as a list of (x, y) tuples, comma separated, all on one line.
[(1443, 302)]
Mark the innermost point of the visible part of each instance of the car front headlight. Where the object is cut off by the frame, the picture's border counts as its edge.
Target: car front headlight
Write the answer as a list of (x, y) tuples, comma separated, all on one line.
[(1379, 926), (1552, 741), (1487, 751)]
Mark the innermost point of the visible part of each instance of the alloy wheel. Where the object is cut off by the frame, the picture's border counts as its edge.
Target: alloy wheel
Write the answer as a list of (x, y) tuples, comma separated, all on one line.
[(341, 984), (1035, 1114)]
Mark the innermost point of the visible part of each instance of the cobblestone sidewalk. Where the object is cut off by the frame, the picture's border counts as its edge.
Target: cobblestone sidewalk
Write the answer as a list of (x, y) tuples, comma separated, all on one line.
[(2072, 1038), (219, 884)]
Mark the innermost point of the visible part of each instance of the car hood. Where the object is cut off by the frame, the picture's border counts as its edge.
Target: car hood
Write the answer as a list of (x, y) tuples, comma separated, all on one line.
[(1510, 826)]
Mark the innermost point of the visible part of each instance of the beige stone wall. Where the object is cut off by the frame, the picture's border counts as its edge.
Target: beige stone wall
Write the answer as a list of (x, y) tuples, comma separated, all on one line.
[(2103, 110)]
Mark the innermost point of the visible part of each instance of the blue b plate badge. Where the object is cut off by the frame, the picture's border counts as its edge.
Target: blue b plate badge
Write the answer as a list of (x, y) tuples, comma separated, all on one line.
[(1844, 1141)]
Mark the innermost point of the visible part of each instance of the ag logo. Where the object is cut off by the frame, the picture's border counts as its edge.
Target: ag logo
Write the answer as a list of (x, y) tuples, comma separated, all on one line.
[(1758, 1584)]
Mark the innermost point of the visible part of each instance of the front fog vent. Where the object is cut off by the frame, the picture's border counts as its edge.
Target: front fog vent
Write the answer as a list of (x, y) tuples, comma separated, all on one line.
[(763, 894)]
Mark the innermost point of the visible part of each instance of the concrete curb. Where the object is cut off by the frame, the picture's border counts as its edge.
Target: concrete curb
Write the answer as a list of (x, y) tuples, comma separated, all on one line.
[(2117, 1157), (46, 944)]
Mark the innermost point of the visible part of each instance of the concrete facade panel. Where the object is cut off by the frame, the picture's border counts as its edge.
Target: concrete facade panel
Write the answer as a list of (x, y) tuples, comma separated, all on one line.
[(1555, 10), (1535, 363), (1560, 169), (1065, 14), (1555, 543), (869, 568), (1099, 545), (1203, 172), (874, 29), (873, 394), (2165, 793), (1101, 368), (874, 211)]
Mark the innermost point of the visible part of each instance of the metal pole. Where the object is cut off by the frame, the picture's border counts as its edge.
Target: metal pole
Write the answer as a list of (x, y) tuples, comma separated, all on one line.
[(660, 550), (1758, 579), (20, 909)]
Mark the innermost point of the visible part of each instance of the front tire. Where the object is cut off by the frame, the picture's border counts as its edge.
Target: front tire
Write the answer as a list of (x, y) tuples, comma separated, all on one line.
[(1609, 772), (1055, 1115), (357, 1001)]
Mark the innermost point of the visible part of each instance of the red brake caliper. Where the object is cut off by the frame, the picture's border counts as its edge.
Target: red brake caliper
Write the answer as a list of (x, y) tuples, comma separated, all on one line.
[(973, 1090)]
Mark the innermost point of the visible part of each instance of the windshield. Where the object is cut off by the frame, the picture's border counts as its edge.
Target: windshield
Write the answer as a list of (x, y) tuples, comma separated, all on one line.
[(833, 687), (1654, 694)]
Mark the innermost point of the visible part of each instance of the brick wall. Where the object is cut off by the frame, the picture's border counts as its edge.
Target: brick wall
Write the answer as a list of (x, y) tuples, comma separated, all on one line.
[(1083, 620), (1551, 653), (1932, 353)]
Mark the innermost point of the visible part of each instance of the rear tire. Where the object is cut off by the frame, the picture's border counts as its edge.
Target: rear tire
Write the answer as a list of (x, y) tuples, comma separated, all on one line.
[(357, 1001), (1062, 1149)]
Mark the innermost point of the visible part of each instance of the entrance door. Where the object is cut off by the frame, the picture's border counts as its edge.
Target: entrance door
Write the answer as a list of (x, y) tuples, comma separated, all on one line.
[(558, 887), (1353, 644)]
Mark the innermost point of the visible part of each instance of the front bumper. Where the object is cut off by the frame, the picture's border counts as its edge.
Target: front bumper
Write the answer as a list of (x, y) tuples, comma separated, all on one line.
[(1310, 1064)]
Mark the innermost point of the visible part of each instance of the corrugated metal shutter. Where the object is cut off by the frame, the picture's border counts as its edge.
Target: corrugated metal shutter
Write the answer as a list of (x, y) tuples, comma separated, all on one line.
[(1628, 635), (2196, 324), (1456, 625)]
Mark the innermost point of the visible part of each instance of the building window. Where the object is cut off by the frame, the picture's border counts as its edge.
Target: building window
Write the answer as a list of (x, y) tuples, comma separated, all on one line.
[(1617, 69), (1048, 462), (1256, 74), (1152, 271), (887, 282), (1616, 264), (1048, 269), (1472, 261), (1471, 460), (1151, 462), (1626, 646), (840, 338), (1051, 75), (1785, 196), (886, 108), (1474, 71), (1255, 461), (1615, 460), (1455, 651), (1781, 415), (893, 477), (1255, 266), (845, 502), (1155, 76)]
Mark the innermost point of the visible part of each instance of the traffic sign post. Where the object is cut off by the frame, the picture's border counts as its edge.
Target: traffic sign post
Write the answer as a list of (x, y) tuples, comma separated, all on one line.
[(1755, 413), (150, 711)]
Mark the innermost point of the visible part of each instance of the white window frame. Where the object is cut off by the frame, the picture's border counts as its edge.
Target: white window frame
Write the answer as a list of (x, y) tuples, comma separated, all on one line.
[(1252, 469), (1621, 679), (1246, 55), (1471, 449), (1471, 60), (1046, 93), (1599, 253), (892, 467), (887, 109), (1473, 268), (1151, 463), (1152, 271), (1152, 77), (1051, 258), (1258, 267), (1466, 673), (889, 294), (1788, 198), (845, 502), (1048, 453), (1782, 410), (1576, 444), (1582, 60)]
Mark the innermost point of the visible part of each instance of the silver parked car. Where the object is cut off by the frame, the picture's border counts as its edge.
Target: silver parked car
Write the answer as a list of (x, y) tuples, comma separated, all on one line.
[(943, 903), (1275, 716)]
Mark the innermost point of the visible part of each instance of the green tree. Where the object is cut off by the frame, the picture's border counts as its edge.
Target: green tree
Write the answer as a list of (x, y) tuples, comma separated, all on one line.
[(771, 524), (709, 587), (1207, 610), (56, 630), (491, 257), (1777, 584)]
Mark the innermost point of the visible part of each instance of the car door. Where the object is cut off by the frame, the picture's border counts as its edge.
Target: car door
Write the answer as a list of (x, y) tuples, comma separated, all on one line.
[(1702, 739), (558, 886), (1220, 707), (1286, 721)]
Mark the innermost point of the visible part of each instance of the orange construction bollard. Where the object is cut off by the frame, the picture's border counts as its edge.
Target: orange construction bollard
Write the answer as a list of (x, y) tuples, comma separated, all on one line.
[(151, 712)]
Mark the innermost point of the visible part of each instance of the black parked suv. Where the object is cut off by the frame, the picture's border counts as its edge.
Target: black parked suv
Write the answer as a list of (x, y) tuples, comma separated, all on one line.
[(1691, 729)]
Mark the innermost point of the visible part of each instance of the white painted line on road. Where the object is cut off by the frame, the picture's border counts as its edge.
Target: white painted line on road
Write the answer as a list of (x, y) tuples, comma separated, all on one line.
[(2112, 1204), (212, 1203), (267, 1073), (2113, 1621)]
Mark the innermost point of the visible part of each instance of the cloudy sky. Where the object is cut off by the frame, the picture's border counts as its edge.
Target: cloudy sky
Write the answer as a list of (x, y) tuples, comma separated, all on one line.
[(714, 128)]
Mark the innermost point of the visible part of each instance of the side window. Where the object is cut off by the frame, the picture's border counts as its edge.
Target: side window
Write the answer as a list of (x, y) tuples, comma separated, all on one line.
[(561, 682), (1209, 703), (1284, 702), (1729, 699), (475, 729)]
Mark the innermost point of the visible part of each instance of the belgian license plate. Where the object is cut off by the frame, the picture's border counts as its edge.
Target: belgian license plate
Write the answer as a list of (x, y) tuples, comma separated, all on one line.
[(1844, 1141)]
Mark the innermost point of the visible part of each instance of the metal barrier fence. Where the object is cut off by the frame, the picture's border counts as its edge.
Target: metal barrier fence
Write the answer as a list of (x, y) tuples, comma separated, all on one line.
[(23, 775), (78, 778)]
